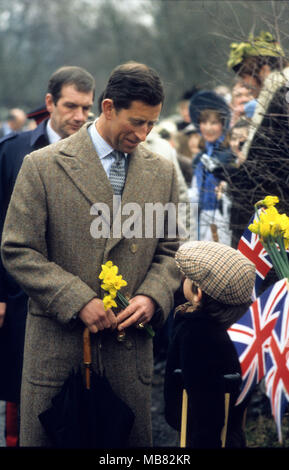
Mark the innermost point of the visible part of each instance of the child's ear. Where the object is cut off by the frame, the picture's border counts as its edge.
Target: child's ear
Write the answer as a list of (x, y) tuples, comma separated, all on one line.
[(198, 296)]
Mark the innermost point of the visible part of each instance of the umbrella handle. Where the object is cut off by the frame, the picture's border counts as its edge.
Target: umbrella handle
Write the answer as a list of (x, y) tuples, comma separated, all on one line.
[(87, 356)]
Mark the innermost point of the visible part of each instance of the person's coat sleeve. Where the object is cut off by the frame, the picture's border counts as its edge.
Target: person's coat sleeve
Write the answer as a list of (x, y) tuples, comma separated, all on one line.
[(25, 253), (3, 293)]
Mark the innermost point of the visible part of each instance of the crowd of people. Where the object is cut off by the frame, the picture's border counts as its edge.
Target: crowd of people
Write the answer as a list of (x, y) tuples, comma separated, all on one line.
[(243, 131), (223, 150)]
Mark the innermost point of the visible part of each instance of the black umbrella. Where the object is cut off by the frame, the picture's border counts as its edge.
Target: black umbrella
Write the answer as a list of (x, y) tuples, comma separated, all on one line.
[(87, 413)]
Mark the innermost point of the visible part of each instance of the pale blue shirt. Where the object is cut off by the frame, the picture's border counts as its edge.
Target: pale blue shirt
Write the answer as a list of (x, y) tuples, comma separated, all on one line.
[(103, 149)]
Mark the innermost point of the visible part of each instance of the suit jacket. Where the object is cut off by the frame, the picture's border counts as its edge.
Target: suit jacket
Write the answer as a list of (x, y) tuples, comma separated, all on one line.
[(13, 149), (49, 248)]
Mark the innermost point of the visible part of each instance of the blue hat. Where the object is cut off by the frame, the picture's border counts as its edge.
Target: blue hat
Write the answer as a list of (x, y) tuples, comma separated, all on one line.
[(208, 100)]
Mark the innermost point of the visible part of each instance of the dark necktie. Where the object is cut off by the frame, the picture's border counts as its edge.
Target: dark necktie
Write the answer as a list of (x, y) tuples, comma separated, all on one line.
[(117, 172)]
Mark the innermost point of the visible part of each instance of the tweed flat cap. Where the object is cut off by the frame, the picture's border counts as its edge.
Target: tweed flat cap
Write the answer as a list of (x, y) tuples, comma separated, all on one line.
[(219, 270)]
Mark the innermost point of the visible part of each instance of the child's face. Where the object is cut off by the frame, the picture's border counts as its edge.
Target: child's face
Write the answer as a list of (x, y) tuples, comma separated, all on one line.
[(241, 95), (211, 129), (239, 136), (193, 143)]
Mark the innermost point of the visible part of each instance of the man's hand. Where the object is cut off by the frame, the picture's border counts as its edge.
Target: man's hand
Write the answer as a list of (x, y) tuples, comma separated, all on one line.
[(96, 318), (3, 306), (140, 310)]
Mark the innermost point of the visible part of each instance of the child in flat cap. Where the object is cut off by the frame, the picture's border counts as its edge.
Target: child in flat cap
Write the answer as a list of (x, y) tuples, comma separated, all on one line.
[(218, 287)]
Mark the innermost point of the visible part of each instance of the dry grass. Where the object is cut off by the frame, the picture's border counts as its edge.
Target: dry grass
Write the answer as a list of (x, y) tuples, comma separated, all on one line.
[(261, 431)]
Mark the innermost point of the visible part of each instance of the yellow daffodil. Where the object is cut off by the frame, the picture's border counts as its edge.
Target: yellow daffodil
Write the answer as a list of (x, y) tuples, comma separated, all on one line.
[(112, 283), (119, 282), (269, 220), (108, 302), (273, 230), (270, 201), (254, 227), (284, 223), (112, 291), (108, 269), (109, 264), (109, 278)]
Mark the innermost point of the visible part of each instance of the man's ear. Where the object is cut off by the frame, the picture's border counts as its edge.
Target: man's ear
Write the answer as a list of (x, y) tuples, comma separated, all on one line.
[(107, 107), (49, 102)]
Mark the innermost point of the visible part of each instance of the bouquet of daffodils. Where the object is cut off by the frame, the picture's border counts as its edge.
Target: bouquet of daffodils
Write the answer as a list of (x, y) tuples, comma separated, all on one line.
[(112, 283), (273, 230)]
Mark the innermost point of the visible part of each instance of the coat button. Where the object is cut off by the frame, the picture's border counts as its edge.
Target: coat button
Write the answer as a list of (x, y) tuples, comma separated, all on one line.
[(133, 247)]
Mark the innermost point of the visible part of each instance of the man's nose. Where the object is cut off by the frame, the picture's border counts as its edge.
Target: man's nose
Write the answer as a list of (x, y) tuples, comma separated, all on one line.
[(79, 114), (142, 132)]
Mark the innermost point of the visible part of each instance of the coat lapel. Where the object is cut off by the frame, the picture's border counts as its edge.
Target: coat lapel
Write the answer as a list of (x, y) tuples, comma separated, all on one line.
[(85, 168), (86, 171)]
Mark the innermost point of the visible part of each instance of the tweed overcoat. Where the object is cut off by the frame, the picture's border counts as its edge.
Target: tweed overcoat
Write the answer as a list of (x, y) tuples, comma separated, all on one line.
[(50, 247)]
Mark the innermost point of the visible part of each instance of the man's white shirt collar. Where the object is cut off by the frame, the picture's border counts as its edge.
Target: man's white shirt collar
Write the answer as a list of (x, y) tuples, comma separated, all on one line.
[(52, 135), (103, 149)]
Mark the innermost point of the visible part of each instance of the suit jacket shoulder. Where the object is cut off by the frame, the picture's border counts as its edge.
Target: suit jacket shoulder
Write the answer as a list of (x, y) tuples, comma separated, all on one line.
[(146, 153)]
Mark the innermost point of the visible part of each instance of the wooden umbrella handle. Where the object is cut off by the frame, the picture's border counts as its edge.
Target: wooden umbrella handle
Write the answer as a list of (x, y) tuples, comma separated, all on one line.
[(87, 356)]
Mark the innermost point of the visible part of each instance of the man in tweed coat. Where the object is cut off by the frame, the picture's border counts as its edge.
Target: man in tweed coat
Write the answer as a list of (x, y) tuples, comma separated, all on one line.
[(49, 249)]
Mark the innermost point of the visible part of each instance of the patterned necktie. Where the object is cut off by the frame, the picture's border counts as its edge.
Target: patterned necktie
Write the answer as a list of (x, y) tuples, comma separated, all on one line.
[(117, 172)]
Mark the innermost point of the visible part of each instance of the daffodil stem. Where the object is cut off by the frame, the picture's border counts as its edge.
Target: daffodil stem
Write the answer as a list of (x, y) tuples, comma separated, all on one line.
[(271, 253), (280, 242), (283, 263), (123, 302), (276, 258)]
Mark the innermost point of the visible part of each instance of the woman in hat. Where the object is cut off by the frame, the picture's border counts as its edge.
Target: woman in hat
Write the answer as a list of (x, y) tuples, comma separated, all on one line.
[(218, 287), (211, 116), (261, 63)]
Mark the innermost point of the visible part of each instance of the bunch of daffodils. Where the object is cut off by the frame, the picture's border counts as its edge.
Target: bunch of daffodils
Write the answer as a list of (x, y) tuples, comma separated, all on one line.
[(112, 283), (273, 230)]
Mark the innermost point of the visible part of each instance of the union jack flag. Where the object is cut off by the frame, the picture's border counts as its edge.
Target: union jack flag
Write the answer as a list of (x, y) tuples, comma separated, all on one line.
[(251, 335), (277, 367), (251, 247)]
